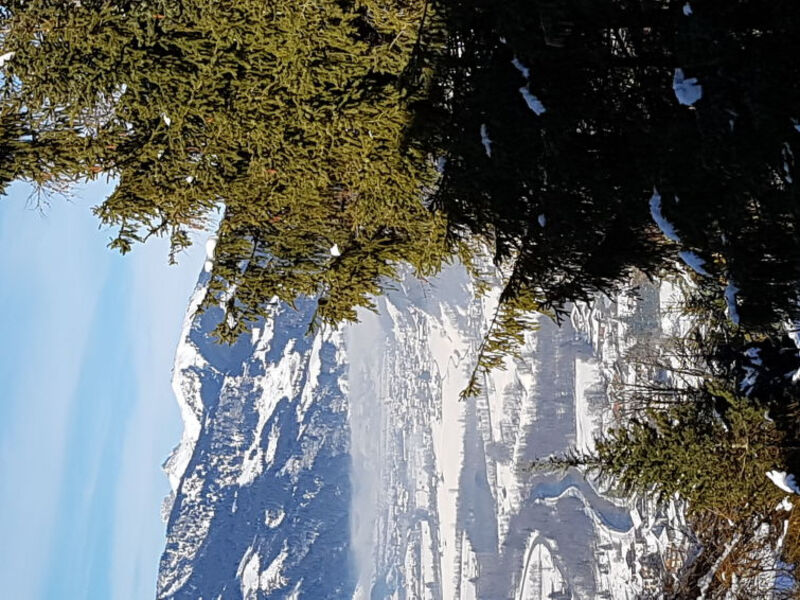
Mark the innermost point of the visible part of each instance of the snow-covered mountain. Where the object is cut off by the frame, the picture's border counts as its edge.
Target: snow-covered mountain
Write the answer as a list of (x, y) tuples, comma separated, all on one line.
[(344, 465), (261, 482)]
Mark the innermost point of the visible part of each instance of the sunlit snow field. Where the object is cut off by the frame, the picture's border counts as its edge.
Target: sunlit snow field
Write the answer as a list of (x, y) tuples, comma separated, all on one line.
[(345, 465)]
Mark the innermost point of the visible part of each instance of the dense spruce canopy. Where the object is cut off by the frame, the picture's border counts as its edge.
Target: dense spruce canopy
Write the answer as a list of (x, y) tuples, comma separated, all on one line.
[(328, 130), (713, 465), (291, 115), (559, 120)]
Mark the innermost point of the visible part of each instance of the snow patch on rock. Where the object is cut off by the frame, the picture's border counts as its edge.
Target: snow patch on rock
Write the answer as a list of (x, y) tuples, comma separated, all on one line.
[(532, 101), (687, 90), (186, 387), (784, 481)]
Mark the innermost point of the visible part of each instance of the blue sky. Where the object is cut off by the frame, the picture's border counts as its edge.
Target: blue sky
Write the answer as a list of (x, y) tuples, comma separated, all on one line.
[(88, 415)]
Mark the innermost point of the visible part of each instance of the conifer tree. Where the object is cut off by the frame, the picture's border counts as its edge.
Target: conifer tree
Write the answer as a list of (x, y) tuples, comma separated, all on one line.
[(316, 126), (559, 119), (291, 115), (715, 463)]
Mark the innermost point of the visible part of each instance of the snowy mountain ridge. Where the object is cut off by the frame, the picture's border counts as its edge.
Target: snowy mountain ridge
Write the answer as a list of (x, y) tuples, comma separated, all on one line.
[(343, 465), (260, 469)]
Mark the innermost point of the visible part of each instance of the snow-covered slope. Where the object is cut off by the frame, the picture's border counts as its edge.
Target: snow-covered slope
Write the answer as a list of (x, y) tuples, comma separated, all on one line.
[(457, 511), (261, 486), (344, 465)]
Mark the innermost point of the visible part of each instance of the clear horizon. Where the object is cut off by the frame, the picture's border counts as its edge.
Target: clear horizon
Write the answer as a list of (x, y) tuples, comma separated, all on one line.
[(89, 417)]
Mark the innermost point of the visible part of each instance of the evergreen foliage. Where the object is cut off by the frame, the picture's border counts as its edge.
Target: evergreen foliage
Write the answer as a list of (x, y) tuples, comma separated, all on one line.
[(562, 186), (515, 315), (292, 115), (557, 191), (714, 464), (317, 127)]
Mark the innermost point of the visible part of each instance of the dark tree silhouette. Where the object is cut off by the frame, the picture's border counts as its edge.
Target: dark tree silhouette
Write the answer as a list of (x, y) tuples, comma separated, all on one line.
[(558, 120)]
